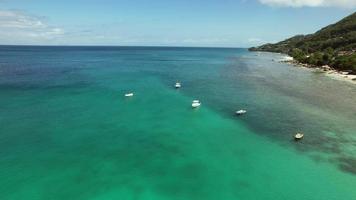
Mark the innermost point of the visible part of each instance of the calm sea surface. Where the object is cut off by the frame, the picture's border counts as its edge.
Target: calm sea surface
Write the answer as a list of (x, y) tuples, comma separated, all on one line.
[(68, 132)]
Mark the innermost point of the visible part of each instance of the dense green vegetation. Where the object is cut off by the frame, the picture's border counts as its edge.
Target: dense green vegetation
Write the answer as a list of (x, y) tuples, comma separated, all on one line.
[(334, 45)]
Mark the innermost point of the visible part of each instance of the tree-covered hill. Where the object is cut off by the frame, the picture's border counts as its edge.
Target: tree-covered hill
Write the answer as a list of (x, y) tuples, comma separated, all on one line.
[(334, 45)]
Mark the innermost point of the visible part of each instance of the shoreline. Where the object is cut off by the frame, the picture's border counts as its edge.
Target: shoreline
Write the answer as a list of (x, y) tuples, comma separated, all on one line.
[(327, 70)]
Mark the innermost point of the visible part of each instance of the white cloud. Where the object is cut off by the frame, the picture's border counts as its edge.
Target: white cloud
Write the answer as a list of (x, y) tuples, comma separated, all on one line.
[(16, 19), (18, 27), (311, 3)]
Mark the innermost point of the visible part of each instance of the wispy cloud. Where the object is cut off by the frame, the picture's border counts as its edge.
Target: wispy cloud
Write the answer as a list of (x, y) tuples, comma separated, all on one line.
[(311, 3), (21, 27)]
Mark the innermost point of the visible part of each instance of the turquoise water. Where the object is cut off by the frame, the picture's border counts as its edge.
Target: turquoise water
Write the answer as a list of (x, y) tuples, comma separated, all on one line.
[(67, 131)]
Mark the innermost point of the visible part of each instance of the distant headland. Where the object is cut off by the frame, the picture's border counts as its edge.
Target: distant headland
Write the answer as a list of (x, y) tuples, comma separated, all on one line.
[(332, 47)]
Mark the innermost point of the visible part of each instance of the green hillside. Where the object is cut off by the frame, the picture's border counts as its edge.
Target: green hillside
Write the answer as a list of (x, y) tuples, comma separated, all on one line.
[(334, 45)]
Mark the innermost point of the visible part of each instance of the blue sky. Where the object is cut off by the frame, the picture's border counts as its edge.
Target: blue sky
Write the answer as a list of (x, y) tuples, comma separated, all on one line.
[(225, 23)]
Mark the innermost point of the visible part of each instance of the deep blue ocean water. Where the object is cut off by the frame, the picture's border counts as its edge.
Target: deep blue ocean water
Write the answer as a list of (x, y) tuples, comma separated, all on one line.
[(68, 132)]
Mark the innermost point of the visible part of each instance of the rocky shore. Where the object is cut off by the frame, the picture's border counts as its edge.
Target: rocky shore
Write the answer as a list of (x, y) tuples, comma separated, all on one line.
[(329, 71)]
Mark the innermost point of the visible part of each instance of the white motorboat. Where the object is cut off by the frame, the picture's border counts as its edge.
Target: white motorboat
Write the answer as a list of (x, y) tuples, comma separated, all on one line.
[(196, 104), (177, 85), (241, 112), (298, 136), (129, 95)]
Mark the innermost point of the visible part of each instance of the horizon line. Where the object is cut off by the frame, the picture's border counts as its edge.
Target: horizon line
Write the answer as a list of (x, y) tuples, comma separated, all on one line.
[(148, 46)]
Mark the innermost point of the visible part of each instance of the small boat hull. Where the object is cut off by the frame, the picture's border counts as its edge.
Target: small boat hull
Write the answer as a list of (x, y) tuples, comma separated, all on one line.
[(195, 105), (241, 112), (129, 95), (298, 136)]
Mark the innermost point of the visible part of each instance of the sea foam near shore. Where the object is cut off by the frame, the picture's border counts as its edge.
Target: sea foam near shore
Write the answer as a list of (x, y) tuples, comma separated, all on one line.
[(330, 72)]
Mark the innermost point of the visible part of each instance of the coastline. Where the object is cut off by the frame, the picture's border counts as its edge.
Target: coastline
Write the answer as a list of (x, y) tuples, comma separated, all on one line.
[(327, 70)]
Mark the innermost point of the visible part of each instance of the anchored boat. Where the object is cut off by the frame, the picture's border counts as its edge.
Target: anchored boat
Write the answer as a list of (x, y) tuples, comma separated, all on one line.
[(196, 103), (241, 112), (129, 94), (177, 85), (298, 136)]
